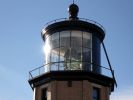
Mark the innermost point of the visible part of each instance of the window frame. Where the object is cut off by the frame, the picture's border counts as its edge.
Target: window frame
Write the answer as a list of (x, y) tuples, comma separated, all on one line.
[(97, 95), (44, 91)]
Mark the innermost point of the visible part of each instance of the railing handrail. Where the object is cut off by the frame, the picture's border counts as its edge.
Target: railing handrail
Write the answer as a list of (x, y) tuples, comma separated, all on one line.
[(38, 68), (82, 19)]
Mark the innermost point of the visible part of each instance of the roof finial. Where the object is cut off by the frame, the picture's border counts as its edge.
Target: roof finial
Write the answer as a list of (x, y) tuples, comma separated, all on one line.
[(73, 1), (73, 11)]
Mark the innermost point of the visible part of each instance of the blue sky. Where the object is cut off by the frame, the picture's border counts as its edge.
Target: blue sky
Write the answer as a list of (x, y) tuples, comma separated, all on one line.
[(21, 46)]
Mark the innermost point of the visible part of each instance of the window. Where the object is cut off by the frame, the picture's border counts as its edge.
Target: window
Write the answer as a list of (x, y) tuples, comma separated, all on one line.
[(69, 83), (55, 40), (68, 50), (44, 94), (96, 93), (65, 39)]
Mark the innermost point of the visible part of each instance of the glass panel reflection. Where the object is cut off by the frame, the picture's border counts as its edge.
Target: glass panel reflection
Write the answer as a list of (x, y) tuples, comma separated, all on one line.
[(55, 55), (76, 54), (86, 56), (64, 54), (64, 39), (76, 39), (54, 66), (61, 66), (54, 59), (55, 40), (86, 39), (47, 50), (68, 50)]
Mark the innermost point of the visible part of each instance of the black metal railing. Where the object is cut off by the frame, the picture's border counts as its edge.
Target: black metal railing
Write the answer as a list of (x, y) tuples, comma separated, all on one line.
[(82, 19), (41, 70)]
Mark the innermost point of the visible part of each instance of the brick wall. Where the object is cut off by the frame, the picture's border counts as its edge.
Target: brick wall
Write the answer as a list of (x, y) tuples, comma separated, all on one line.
[(78, 90)]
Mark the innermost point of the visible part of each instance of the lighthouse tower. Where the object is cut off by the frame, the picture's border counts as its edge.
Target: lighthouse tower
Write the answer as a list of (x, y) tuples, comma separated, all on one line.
[(72, 69)]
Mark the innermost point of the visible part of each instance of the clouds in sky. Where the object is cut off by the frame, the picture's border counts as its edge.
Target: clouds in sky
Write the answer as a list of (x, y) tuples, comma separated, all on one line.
[(124, 94)]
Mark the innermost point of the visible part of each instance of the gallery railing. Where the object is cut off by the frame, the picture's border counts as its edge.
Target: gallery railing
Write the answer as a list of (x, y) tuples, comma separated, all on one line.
[(55, 66), (82, 19)]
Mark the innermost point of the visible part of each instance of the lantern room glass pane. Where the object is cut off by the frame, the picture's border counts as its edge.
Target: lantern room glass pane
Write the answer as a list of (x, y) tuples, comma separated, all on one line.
[(47, 51), (64, 58), (67, 65), (54, 66), (65, 39), (55, 55), (61, 66), (54, 59), (87, 40), (76, 54), (55, 40), (68, 50), (86, 55), (76, 50), (86, 59), (76, 39), (64, 54)]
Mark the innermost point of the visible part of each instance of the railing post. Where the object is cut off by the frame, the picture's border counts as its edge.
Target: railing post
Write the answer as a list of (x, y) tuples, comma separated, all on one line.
[(109, 63), (30, 75), (39, 71)]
